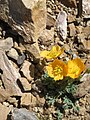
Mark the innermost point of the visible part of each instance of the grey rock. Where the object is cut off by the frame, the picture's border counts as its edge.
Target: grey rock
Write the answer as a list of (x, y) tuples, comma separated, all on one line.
[(21, 59), (61, 24), (23, 114)]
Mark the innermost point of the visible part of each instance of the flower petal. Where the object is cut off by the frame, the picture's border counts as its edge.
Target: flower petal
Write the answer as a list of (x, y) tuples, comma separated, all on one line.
[(57, 69), (75, 67), (44, 53), (53, 53), (59, 77)]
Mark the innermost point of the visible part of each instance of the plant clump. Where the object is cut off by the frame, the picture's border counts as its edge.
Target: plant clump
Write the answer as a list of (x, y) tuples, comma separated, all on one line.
[(60, 80)]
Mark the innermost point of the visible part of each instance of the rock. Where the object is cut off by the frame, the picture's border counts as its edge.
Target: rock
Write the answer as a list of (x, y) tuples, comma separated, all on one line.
[(9, 75), (46, 37), (69, 3), (23, 114), (21, 59), (61, 24), (28, 99), (13, 54), (4, 95), (15, 45), (38, 16), (71, 18), (49, 10), (4, 111), (28, 70), (50, 21), (6, 104), (86, 43), (6, 44), (33, 52), (72, 30), (28, 18), (6, 66), (79, 30), (13, 101), (15, 65), (25, 84), (86, 8)]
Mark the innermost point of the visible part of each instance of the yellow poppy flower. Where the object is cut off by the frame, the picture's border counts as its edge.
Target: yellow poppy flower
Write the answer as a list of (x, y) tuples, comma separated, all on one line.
[(53, 53), (75, 67), (57, 69)]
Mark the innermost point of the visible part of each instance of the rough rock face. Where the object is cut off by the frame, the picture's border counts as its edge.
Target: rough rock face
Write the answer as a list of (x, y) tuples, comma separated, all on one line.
[(9, 75), (25, 16)]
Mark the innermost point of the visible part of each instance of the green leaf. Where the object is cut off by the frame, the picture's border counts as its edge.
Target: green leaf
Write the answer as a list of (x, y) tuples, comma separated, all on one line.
[(59, 115)]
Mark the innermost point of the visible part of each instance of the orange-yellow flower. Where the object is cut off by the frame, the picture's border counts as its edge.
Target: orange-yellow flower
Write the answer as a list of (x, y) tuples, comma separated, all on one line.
[(53, 53), (75, 67), (57, 69)]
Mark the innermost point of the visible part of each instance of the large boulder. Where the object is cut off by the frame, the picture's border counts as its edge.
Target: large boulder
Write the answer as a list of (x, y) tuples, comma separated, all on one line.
[(27, 17)]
